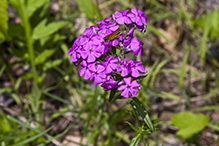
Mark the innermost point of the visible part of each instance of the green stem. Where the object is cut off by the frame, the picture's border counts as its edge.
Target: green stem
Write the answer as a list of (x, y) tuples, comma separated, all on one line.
[(35, 90)]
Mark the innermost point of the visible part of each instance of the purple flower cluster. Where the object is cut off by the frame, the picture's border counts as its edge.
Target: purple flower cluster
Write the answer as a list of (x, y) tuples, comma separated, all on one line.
[(101, 53)]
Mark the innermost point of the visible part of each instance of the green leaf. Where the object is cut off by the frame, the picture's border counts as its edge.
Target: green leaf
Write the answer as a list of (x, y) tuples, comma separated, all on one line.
[(150, 74), (33, 5), (3, 17), (91, 11), (43, 30), (165, 94), (65, 49), (51, 64), (26, 125), (135, 140), (146, 132), (206, 108), (157, 70), (133, 127), (17, 52), (121, 135), (214, 127), (2, 37), (13, 95), (40, 78), (137, 105), (32, 138), (16, 31), (8, 138), (155, 30), (2, 69), (59, 113), (209, 22), (5, 126), (188, 123), (6, 89), (43, 56), (183, 69), (212, 93), (155, 121), (58, 98), (16, 98)]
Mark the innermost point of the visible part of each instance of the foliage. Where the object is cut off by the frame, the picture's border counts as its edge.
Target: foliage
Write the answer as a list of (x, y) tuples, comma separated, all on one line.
[(43, 100), (189, 123), (4, 19)]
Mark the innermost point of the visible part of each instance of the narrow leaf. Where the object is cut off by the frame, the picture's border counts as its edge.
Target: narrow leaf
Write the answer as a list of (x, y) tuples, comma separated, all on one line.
[(58, 98), (135, 140), (133, 127), (137, 105), (51, 64), (43, 56), (32, 138), (26, 125), (2, 69), (183, 69)]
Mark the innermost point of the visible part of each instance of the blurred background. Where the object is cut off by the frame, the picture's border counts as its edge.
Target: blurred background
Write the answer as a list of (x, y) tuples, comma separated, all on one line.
[(43, 100)]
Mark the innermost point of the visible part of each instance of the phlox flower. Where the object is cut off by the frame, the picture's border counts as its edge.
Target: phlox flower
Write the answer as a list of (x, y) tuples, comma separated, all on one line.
[(110, 64), (136, 68), (137, 16), (121, 17), (97, 63), (124, 68), (129, 87), (85, 70), (136, 46), (91, 53), (110, 84), (98, 73)]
